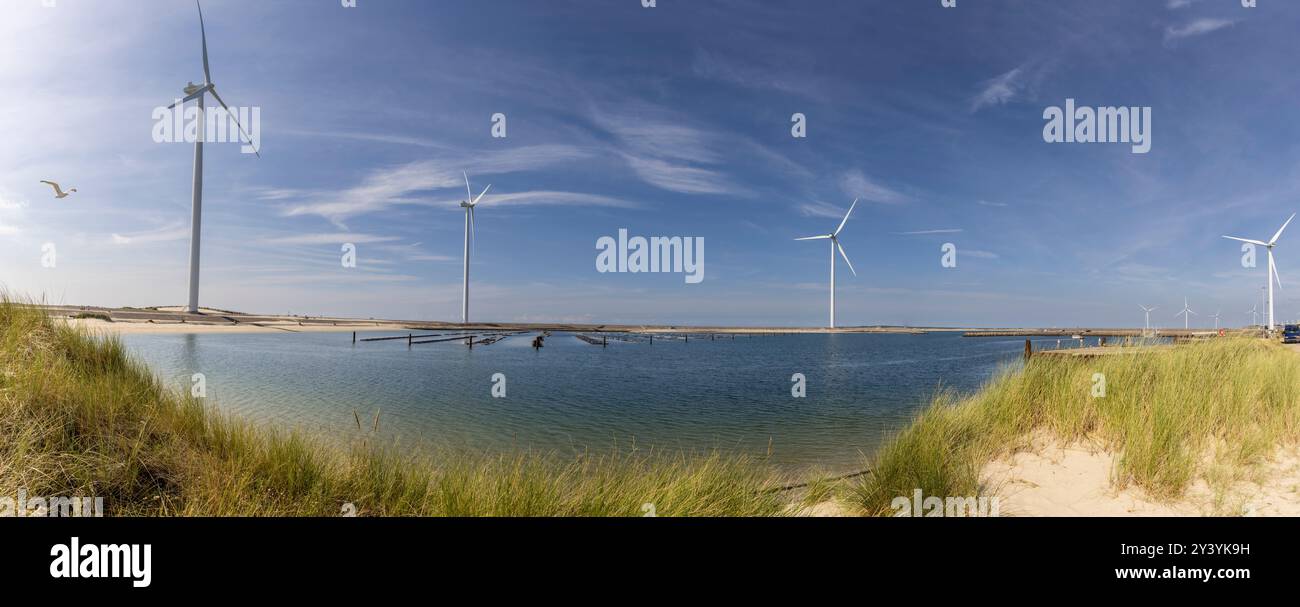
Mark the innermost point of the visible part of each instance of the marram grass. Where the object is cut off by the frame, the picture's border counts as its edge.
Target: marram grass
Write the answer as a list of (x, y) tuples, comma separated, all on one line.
[(79, 417), (1212, 410)]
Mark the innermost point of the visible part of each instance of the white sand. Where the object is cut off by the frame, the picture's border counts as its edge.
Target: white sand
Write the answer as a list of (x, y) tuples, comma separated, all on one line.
[(1076, 480), (121, 327)]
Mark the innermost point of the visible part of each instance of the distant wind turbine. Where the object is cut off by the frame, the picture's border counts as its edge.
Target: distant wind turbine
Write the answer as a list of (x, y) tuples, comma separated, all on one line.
[(1216, 319), (197, 92), (835, 246), (1254, 314), (1186, 314), (1272, 268), (468, 204), (1147, 327)]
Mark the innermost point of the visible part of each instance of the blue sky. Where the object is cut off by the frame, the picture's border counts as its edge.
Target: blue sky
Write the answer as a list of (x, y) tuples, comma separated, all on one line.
[(672, 120)]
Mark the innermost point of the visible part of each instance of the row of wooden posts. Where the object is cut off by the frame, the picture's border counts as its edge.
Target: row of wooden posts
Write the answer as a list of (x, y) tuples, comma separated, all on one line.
[(538, 342)]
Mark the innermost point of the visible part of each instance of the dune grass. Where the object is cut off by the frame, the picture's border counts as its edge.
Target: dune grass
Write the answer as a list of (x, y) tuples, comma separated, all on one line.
[(79, 417), (1211, 410)]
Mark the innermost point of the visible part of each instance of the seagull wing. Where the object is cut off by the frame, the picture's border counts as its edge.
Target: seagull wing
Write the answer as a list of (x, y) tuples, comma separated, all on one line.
[(58, 191)]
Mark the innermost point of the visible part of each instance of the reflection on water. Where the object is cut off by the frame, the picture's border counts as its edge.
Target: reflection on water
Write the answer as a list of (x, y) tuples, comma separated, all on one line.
[(733, 394)]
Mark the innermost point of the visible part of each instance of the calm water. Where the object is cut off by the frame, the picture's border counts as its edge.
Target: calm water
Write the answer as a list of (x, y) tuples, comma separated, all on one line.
[(729, 394)]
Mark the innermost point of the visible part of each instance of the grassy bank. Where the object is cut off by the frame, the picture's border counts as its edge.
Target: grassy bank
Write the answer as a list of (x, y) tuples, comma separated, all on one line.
[(79, 417), (1211, 410)]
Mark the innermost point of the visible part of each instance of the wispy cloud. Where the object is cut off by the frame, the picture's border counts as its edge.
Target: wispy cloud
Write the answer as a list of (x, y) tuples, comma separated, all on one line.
[(317, 239), (678, 177), (549, 198), (978, 254), (999, 90), (1019, 83), (857, 185), (712, 66), (987, 203), (1196, 28), (167, 234), (938, 231), (667, 153), (822, 209), (412, 183)]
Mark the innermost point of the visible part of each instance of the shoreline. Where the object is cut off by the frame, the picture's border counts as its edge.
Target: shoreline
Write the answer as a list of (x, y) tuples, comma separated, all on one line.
[(165, 320)]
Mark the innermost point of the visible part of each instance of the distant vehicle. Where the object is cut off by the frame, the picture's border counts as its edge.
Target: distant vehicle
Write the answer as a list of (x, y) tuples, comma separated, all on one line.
[(1291, 334)]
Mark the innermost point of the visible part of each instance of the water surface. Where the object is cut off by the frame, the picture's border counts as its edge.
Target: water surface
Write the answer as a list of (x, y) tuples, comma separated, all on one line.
[(732, 394)]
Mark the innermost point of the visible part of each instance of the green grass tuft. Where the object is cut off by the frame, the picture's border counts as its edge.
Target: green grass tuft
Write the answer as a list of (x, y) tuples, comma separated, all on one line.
[(79, 417), (1210, 410)]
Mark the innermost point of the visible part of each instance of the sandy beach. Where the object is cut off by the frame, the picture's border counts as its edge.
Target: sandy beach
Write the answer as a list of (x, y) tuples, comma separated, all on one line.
[(1051, 479)]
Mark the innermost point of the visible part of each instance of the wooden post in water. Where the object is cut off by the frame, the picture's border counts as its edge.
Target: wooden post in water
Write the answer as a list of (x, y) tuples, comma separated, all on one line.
[(409, 338), (1029, 349), (604, 341), (354, 337)]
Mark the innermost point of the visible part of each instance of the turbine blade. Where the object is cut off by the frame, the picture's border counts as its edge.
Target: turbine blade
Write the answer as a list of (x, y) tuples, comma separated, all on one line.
[(234, 117), (840, 248), (203, 31), (1279, 230), (468, 194), (1260, 243), (815, 237), (1272, 268), (846, 217), (480, 196)]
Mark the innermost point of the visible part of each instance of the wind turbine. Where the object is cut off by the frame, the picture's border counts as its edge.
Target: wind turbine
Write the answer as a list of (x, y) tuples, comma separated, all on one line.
[(1148, 311), (1186, 314), (1254, 312), (197, 92), (835, 246), (1216, 319), (468, 204), (1272, 268)]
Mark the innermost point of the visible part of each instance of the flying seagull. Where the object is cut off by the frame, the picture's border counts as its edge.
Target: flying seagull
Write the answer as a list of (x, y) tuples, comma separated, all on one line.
[(58, 191)]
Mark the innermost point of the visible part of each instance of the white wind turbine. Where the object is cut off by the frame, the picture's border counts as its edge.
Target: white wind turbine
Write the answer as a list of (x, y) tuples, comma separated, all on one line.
[(1254, 314), (1148, 311), (197, 93), (1187, 314), (1272, 268), (468, 204), (835, 246), (1216, 319)]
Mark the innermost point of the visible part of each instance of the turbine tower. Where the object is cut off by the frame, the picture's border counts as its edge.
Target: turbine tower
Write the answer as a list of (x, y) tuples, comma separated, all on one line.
[(1216, 319), (1254, 314), (468, 204), (1272, 268), (1147, 326), (196, 93), (1186, 314), (835, 246)]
